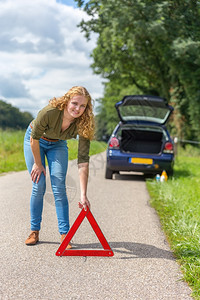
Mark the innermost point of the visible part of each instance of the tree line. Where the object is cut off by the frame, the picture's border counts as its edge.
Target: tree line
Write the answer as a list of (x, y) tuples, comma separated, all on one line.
[(12, 117), (147, 47)]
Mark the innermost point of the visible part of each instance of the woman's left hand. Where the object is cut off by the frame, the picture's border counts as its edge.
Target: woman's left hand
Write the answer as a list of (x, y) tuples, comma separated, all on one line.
[(84, 203)]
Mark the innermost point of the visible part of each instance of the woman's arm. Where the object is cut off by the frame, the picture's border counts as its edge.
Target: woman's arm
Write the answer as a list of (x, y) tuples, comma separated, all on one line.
[(83, 175), (37, 167)]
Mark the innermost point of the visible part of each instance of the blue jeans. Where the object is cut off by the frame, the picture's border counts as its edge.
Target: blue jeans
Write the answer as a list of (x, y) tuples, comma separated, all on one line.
[(57, 157)]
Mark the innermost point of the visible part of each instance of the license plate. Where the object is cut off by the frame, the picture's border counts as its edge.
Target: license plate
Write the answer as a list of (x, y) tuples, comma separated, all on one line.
[(144, 161)]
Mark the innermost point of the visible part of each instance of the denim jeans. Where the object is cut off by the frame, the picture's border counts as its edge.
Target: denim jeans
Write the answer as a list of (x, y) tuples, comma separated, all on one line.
[(57, 157)]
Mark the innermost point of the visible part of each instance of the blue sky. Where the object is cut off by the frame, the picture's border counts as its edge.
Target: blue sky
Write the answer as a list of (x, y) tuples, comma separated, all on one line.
[(43, 53), (68, 2)]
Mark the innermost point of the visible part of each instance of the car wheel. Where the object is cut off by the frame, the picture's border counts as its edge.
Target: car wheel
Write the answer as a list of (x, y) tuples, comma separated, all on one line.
[(108, 174), (149, 175), (170, 173)]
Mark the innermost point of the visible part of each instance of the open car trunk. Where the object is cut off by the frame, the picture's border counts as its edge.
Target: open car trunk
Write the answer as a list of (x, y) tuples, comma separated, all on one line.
[(141, 141), (144, 108)]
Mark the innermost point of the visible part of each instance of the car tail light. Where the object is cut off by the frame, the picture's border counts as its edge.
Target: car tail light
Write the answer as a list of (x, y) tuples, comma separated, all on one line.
[(114, 143), (168, 148)]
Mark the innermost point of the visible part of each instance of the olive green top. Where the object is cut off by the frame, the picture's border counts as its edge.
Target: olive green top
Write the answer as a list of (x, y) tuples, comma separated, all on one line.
[(48, 123)]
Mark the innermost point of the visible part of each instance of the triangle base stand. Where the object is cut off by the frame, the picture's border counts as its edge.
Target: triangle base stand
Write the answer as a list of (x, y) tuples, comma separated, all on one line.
[(62, 251)]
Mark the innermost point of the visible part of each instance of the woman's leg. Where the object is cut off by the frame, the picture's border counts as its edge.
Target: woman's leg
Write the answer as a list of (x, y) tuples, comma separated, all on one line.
[(38, 189), (57, 158)]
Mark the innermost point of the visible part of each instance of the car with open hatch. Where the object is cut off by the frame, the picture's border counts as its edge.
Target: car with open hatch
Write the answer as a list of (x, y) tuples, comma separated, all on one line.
[(141, 142)]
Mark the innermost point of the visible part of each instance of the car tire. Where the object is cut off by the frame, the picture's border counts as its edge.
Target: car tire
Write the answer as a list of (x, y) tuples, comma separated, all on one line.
[(170, 173), (108, 174), (149, 175)]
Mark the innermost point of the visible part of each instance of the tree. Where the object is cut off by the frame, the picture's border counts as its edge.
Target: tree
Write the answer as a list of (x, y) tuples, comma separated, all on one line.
[(153, 46), (11, 117)]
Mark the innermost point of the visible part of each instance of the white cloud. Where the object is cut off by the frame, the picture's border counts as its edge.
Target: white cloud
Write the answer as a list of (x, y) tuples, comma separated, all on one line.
[(43, 53)]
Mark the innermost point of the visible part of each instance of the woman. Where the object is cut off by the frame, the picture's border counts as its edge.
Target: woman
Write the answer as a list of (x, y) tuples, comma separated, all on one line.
[(62, 119)]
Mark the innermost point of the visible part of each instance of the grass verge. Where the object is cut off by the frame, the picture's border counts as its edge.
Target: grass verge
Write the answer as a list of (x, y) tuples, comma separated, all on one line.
[(11, 151), (177, 202), (12, 156)]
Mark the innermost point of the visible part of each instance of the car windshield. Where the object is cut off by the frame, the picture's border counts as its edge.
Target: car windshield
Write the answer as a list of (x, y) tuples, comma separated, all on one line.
[(144, 113)]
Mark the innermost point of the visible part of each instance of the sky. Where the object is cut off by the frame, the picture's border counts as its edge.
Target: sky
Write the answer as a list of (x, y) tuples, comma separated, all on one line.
[(43, 53)]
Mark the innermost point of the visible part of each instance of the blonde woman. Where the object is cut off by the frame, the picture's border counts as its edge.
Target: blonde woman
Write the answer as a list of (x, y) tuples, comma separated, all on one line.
[(62, 119)]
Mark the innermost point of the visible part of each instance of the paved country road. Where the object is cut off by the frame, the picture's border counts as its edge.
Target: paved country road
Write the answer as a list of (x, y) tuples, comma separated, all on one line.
[(142, 267)]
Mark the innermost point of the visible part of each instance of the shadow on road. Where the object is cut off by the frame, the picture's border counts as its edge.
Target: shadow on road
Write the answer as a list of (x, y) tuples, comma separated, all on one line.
[(131, 177), (47, 242), (131, 250)]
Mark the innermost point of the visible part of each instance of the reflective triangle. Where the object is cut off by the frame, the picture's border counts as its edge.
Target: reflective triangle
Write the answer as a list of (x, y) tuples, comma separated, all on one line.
[(62, 251)]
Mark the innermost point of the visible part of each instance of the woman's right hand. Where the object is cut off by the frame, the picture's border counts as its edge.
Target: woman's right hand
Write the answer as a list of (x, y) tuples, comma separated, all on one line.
[(36, 172)]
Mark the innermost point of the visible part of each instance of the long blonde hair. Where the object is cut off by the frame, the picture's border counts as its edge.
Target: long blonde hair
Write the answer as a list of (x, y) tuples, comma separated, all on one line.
[(85, 123)]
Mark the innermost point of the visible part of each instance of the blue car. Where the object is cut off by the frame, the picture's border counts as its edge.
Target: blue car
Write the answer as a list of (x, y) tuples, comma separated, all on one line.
[(141, 142)]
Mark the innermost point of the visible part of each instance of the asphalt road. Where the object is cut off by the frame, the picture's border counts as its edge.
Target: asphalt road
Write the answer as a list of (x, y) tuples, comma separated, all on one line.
[(142, 267)]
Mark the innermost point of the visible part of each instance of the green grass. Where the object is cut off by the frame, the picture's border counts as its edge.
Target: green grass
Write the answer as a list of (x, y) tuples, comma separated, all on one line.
[(177, 202), (12, 156), (95, 147), (11, 151)]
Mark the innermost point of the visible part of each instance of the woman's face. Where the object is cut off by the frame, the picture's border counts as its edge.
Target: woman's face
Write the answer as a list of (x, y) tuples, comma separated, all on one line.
[(76, 106)]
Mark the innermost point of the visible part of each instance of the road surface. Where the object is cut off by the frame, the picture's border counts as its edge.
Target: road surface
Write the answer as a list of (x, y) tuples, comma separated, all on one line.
[(143, 267)]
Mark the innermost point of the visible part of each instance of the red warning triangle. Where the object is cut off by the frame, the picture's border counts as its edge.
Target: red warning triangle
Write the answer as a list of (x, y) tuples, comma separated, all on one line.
[(62, 251)]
